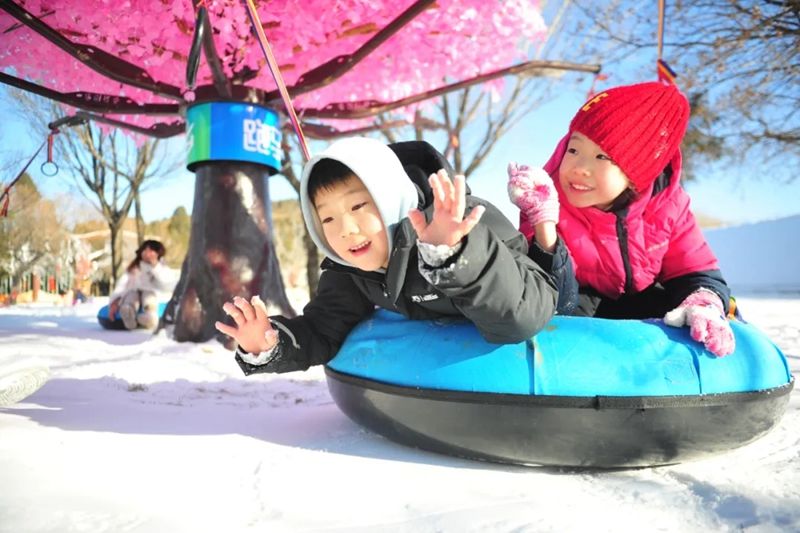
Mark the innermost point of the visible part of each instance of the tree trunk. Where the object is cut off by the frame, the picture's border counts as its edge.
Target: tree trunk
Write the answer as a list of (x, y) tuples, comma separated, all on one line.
[(113, 232), (312, 262), (37, 285), (231, 250), (139, 219)]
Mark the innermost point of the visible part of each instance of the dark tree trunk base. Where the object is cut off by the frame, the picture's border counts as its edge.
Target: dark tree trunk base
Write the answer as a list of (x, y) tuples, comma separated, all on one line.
[(231, 251)]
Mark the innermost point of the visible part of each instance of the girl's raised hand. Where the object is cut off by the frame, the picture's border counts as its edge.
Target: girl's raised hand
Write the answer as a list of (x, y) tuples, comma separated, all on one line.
[(449, 225), (253, 331), (533, 191)]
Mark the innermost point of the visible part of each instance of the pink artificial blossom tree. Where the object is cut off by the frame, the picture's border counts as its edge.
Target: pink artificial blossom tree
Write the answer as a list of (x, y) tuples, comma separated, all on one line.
[(143, 48)]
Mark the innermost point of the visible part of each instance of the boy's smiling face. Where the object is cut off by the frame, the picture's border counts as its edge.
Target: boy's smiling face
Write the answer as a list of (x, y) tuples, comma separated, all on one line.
[(352, 224)]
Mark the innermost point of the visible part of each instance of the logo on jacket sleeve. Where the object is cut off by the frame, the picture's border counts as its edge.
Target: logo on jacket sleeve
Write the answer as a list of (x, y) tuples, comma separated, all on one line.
[(417, 298)]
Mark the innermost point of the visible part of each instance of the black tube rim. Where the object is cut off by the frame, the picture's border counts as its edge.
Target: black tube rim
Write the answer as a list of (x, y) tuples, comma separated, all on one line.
[(572, 402)]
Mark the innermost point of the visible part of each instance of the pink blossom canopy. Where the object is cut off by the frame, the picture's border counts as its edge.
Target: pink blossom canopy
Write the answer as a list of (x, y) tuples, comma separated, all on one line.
[(450, 41)]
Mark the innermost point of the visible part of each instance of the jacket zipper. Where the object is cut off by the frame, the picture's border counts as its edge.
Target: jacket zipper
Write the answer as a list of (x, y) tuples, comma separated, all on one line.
[(622, 236), (380, 279)]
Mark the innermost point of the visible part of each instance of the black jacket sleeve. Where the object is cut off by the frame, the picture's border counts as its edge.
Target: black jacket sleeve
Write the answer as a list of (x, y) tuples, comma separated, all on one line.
[(559, 266), (682, 286), (494, 283), (314, 337)]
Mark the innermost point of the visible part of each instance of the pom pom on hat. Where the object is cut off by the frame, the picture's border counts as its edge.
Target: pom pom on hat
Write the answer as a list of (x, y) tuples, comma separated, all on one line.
[(639, 126)]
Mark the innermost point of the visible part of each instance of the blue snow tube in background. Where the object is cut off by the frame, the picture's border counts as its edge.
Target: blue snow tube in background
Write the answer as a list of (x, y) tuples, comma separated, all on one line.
[(582, 392), (116, 322)]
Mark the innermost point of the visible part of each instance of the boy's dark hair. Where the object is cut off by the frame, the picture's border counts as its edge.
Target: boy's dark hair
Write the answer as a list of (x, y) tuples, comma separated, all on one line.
[(326, 174)]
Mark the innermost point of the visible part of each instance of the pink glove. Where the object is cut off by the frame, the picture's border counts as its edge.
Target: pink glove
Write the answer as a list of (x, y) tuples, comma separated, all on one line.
[(532, 190), (704, 313)]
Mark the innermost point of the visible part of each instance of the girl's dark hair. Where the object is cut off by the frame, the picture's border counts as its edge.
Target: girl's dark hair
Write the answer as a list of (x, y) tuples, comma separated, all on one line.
[(326, 174), (624, 199), (154, 245), (630, 194)]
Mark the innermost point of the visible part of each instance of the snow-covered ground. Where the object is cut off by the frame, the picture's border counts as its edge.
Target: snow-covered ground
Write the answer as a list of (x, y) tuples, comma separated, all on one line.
[(135, 432), (138, 433)]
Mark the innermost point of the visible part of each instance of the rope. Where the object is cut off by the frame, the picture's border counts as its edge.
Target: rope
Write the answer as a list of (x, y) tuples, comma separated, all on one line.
[(5, 198), (663, 71), (276, 75), (660, 35)]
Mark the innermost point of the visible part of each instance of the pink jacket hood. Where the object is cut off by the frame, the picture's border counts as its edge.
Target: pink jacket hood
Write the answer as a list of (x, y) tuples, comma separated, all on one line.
[(660, 234)]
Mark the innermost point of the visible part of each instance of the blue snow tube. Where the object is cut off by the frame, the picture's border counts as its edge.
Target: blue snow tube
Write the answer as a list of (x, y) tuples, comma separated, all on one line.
[(583, 392), (116, 323)]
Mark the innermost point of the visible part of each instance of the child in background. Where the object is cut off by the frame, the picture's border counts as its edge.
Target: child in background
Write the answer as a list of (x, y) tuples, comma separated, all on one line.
[(396, 240), (636, 249), (146, 281)]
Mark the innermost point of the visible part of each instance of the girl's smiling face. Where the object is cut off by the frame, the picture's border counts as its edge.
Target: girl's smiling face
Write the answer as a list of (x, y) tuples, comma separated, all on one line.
[(588, 177), (352, 224)]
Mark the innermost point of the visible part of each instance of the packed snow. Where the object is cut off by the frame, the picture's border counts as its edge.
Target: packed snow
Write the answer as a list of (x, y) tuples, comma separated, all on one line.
[(137, 433)]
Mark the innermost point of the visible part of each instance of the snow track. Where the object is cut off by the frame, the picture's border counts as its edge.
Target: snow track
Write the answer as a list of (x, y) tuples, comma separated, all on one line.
[(138, 433)]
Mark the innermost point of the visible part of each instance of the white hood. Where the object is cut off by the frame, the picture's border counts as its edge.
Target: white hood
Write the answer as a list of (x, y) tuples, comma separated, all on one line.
[(382, 174)]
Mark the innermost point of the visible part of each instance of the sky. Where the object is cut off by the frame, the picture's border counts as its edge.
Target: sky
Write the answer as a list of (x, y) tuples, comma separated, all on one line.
[(138, 433), (739, 194)]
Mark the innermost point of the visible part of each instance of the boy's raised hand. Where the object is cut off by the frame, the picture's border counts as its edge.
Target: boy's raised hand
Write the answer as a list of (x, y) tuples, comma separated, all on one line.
[(253, 331), (449, 225)]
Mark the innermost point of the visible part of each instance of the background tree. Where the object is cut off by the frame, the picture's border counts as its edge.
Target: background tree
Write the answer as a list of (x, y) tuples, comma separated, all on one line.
[(179, 227), (113, 171), (31, 236), (466, 125), (109, 168), (738, 60), (291, 171)]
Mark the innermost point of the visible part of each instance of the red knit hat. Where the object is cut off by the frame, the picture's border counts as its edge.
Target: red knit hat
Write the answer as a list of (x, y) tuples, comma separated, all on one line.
[(639, 126)]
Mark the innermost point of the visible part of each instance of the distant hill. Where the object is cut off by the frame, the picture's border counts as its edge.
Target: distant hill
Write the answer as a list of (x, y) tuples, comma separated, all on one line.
[(288, 230), (759, 257), (709, 222)]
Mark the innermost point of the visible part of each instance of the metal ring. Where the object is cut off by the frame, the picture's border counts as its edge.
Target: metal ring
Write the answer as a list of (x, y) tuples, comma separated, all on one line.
[(49, 168)]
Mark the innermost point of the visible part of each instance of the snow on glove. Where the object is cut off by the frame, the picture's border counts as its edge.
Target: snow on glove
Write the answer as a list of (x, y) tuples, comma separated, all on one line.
[(532, 190), (704, 313)]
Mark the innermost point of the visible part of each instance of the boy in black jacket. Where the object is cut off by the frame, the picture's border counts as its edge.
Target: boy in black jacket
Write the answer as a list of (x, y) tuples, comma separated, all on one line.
[(394, 240)]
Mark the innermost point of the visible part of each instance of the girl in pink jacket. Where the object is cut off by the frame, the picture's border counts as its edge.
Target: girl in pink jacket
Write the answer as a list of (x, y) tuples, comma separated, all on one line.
[(609, 209)]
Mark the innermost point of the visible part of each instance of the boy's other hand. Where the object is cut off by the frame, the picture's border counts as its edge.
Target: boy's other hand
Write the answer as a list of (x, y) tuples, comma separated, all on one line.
[(449, 225), (253, 331)]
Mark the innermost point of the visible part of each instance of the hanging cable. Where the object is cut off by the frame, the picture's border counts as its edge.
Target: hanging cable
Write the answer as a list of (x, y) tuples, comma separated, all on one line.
[(5, 197), (660, 35), (663, 70), (49, 167), (276, 75)]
